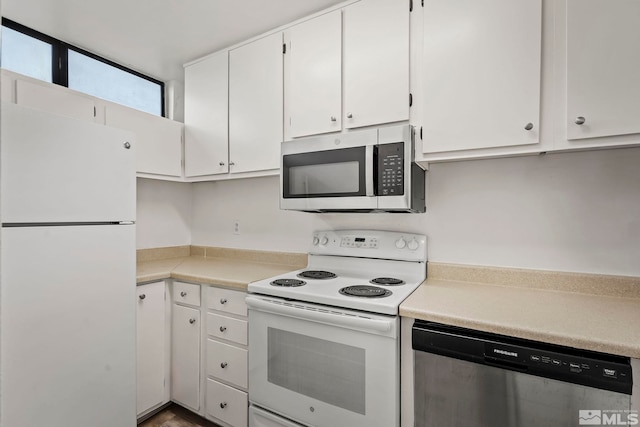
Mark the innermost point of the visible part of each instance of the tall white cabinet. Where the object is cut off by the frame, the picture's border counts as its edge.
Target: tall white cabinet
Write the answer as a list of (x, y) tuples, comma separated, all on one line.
[(255, 105), (206, 97), (376, 62), (481, 74), (313, 76), (185, 345), (152, 356), (603, 65)]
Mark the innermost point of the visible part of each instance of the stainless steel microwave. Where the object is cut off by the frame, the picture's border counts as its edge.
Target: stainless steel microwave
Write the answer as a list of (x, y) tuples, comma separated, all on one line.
[(370, 170)]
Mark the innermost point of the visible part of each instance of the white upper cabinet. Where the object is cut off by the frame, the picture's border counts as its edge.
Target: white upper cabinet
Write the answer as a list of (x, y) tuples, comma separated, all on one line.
[(376, 62), (55, 99), (313, 76), (481, 74), (158, 139), (602, 69), (255, 105), (206, 97)]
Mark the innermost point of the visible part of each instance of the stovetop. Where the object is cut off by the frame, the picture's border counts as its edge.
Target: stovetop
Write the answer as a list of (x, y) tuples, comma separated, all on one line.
[(359, 269)]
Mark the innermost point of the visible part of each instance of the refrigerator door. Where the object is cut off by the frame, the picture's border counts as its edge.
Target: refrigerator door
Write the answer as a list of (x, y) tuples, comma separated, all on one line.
[(68, 320), (56, 169)]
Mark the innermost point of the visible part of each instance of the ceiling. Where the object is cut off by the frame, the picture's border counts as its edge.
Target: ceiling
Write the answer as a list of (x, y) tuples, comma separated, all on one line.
[(156, 37)]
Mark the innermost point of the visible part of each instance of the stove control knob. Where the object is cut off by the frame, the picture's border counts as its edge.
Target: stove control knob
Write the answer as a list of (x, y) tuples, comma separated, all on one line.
[(324, 240), (401, 243), (413, 244), (315, 240)]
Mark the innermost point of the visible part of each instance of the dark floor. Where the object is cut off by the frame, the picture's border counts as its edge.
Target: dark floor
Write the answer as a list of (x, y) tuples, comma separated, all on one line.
[(176, 416)]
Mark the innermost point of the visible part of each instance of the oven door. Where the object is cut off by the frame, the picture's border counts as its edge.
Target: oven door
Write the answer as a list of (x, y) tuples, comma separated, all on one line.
[(329, 173), (323, 366)]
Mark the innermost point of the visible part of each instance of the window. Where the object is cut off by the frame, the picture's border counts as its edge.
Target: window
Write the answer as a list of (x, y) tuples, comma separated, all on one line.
[(37, 55), (105, 81), (26, 55)]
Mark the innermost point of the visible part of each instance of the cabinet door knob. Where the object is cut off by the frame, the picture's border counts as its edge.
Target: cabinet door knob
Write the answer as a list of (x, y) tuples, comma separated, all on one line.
[(580, 120), (127, 145), (223, 328), (528, 126), (231, 164), (223, 365), (349, 116), (221, 163), (183, 294), (192, 320), (333, 118), (223, 300), (142, 296), (223, 405)]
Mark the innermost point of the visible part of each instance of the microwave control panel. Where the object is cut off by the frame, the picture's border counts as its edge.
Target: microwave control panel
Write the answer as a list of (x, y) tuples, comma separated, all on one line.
[(390, 169)]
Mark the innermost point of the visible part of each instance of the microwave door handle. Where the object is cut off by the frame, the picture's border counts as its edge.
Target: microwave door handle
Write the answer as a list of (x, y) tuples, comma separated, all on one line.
[(368, 170)]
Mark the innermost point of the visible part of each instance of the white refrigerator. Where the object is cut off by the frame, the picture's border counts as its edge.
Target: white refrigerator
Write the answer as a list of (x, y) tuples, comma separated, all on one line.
[(67, 272)]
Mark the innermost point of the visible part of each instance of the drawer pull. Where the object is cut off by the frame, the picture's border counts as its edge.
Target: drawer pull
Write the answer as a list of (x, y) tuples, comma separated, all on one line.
[(223, 405), (142, 296), (192, 320), (223, 328), (223, 301), (223, 365), (183, 294)]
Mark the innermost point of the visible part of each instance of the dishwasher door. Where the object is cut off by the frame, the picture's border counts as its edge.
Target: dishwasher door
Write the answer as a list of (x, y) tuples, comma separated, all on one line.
[(486, 380)]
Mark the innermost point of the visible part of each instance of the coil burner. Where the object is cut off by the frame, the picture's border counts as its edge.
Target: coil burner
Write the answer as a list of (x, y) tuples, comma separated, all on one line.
[(288, 283), (317, 274), (365, 291), (387, 281)]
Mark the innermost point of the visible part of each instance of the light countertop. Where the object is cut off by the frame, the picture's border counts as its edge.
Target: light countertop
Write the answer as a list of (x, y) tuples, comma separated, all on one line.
[(230, 268), (592, 312)]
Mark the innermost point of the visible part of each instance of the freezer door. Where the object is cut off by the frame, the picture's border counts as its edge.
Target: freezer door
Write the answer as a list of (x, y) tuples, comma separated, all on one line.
[(68, 315), (57, 169)]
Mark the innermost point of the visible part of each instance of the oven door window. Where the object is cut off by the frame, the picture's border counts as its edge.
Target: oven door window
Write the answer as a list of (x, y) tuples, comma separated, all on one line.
[(331, 173), (331, 372)]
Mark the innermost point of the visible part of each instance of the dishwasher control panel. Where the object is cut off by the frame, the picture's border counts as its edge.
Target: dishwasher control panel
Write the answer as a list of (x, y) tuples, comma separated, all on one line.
[(593, 369)]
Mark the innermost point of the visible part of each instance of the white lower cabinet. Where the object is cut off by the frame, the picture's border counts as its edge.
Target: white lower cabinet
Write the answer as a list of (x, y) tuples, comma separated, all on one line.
[(213, 359), (227, 353), (226, 403), (185, 356), (151, 347)]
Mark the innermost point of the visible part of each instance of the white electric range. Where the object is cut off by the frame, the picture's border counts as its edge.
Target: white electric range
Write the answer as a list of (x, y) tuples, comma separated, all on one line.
[(324, 340)]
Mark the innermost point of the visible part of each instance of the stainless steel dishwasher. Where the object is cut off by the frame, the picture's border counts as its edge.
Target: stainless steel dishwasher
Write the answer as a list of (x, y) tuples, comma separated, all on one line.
[(469, 378)]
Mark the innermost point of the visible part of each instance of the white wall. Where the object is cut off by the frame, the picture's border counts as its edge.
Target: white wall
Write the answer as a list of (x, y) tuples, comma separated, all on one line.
[(163, 213), (567, 212)]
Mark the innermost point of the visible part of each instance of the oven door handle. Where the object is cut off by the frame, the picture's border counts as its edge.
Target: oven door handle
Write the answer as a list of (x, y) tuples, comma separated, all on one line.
[(327, 316)]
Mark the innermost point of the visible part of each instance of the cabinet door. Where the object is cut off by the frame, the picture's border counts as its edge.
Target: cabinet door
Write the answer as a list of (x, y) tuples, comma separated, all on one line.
[(255, 105), (313, 86), (6, 86), (55, 99), (603, 64), (481, 74), (151, 345), (185, 360), (206, 110), (376, 62), (158, 139)]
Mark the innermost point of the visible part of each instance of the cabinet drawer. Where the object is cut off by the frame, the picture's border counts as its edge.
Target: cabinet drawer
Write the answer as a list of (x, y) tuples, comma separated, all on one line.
[(227, 300), (227, 363), (227, 404), (227, 328), (186, 293)]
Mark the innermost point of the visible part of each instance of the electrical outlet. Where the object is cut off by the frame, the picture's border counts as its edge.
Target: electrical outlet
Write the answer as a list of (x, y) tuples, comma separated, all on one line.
[(236, 227)]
